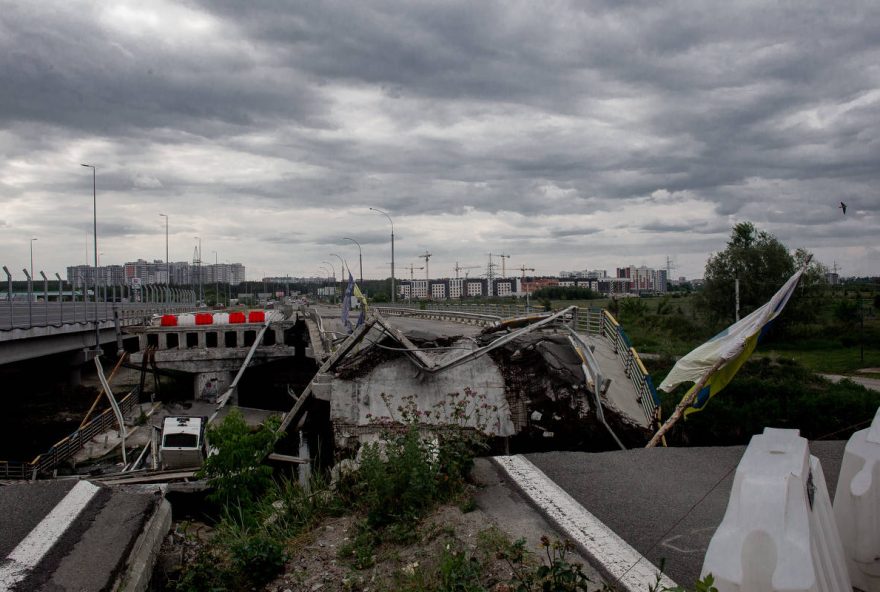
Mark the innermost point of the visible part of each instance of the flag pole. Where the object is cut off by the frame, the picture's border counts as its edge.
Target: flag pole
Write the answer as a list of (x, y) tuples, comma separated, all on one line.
[(685, 402)]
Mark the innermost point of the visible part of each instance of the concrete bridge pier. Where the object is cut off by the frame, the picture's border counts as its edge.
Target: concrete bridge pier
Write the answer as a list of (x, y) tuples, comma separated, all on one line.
[(76, 361), (207, 386)]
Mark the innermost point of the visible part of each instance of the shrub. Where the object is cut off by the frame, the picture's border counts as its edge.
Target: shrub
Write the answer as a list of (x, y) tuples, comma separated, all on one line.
[(235, 470)]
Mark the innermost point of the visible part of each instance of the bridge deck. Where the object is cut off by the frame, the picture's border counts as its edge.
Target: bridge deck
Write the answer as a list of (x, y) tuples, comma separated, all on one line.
[(621, 394)]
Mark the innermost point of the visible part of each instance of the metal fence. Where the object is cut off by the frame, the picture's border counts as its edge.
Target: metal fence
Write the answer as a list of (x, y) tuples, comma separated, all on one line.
[(68, 446), (632, 364), (23, 315)]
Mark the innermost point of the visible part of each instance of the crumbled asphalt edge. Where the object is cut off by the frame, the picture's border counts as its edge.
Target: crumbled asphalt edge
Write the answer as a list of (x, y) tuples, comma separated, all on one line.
[(46, 568)]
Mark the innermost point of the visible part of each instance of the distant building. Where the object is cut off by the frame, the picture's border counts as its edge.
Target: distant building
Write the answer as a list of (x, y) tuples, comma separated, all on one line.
[(644, 280), (157, 272)]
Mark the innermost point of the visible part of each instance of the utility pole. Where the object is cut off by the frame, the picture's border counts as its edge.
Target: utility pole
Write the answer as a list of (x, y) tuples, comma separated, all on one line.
[(736, 290)]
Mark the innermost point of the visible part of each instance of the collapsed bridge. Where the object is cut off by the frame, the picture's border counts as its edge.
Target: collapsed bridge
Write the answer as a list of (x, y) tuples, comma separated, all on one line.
[(538, 377)]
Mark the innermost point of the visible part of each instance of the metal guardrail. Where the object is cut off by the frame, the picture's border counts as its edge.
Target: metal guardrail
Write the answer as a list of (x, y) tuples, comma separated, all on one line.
[(440, 314), (17, 315), (632, 365), (590, 321), (68, 446)]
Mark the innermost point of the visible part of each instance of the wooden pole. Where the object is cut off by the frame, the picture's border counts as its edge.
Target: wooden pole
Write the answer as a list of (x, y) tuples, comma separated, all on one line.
[(684, 403), (101, 391)]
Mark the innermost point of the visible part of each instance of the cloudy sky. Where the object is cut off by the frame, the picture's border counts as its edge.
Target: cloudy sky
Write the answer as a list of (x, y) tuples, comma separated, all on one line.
[(569, 135)]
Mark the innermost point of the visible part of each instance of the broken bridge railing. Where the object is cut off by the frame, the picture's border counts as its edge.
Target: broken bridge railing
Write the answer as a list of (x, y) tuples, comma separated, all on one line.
[(632, 365), (69, 445), (472, 318)]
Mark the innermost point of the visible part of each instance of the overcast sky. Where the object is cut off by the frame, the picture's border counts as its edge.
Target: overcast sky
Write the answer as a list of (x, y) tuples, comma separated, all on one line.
[(569, 135)]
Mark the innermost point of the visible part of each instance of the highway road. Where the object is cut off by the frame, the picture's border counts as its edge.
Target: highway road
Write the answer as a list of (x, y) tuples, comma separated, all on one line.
[(71, 535), (664, 502)]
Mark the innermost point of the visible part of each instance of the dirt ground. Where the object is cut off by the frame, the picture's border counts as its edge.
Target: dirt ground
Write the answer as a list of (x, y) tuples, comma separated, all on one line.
[(497, 517)]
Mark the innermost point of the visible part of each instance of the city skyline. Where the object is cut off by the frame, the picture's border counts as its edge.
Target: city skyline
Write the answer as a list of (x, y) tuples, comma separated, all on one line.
[(569, 135)]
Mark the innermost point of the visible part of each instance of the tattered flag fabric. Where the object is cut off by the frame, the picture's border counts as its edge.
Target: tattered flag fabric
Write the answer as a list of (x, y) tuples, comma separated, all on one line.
[(346, 304), (732, 347)]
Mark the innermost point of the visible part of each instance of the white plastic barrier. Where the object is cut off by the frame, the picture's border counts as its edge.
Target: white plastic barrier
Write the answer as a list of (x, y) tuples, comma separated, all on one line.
[(186, 320), (857, 506), (778, 532), (221, 318)]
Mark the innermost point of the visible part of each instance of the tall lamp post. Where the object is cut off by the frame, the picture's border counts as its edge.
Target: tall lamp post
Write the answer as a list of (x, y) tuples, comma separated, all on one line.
[(167, 264), (392, 249), (32, 256), (216, 279), (360, 257), (334, 275), (344, 266), (199, 270), (95, 234)]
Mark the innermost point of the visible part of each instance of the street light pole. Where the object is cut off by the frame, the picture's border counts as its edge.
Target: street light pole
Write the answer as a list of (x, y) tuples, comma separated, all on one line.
[(32, 256), (334, 275), (199, 270), (344, 264), (95, 234), (167, 264), (216, 279), (360, 257), (392, 249)]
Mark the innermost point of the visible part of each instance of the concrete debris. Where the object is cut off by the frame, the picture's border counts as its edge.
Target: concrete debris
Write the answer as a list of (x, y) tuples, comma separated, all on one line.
[(520, 378)]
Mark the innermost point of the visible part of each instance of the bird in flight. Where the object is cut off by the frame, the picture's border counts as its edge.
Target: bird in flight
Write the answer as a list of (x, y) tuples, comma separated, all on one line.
[(842, 206)]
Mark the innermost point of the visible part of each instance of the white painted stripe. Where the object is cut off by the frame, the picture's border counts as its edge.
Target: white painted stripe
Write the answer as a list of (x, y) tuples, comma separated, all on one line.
[(31, 550), (627, 567)]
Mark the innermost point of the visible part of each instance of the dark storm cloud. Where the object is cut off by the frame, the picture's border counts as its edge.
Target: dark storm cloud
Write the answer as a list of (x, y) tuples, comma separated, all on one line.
[(626, 111)]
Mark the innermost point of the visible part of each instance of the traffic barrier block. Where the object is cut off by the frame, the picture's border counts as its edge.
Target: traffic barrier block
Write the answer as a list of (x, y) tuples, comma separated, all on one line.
[(778, 532), (857, 506), (256, 316), (237, 317), (186, 320), (204, 318), (168, 320)]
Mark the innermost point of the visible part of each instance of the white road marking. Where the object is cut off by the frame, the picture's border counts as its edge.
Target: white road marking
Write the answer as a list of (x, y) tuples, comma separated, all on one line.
[(31, 550), (628, 569)]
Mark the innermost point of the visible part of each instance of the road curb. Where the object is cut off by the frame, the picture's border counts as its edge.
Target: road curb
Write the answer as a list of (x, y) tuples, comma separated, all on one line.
[(620, 563), (139, 567)]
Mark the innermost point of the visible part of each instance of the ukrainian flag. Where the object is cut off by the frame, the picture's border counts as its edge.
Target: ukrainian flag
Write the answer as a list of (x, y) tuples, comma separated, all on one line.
[(363, 300), (727, 351)]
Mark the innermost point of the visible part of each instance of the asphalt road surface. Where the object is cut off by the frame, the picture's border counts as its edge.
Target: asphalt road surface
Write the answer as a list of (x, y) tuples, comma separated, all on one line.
[(67, 535), (665, 502)]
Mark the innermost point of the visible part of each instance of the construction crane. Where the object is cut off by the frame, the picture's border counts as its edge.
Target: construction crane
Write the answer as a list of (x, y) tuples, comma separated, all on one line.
[(458, 268), (426, 256), (412, 269), (524, 269), (503, 264)]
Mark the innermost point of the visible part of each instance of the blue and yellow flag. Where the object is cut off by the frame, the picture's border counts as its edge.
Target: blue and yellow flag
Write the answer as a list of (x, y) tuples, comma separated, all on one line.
[(346, 303), (731, 348), (363, 300)]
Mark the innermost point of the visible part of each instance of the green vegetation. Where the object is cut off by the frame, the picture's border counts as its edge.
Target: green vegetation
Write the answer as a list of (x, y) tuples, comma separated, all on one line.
[(268, 521), (775, 392)]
